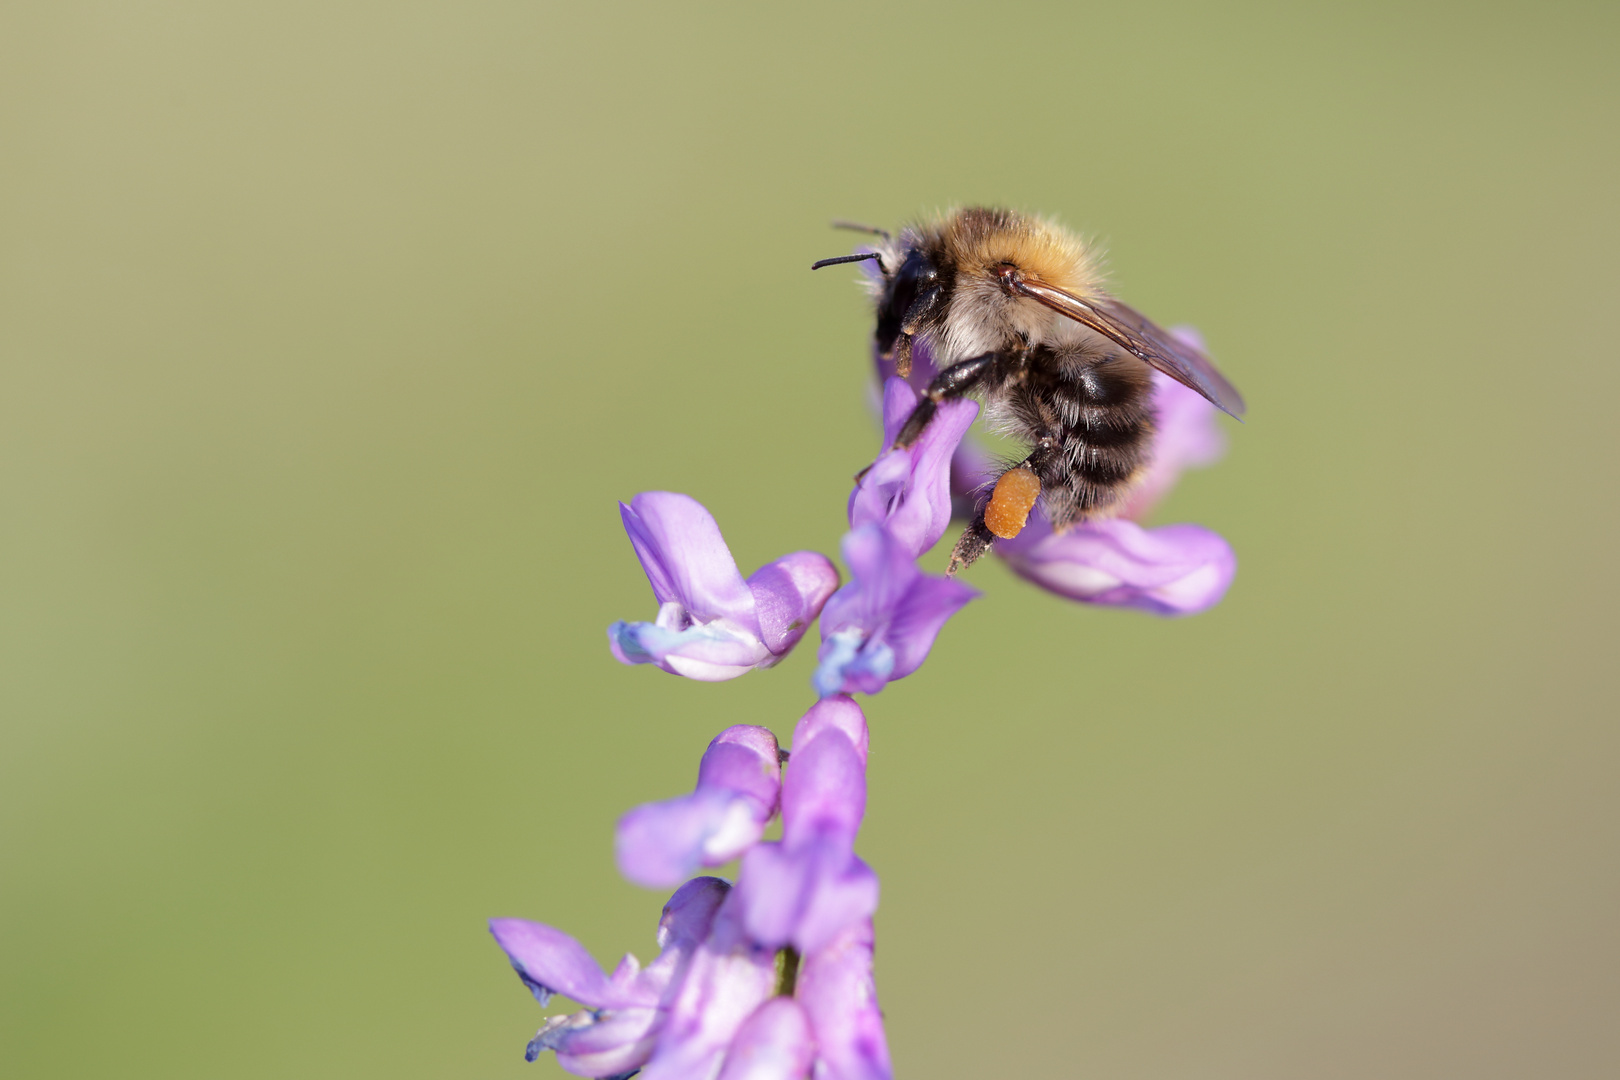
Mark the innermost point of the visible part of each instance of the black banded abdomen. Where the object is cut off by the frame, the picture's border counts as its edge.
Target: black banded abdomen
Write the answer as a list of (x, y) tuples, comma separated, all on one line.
[(1097, 420)]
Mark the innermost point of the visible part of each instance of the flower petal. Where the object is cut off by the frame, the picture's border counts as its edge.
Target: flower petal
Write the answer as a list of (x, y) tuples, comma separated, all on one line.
[(659, 844), (689, 915), (807, 894), (598, 1042), (836, 713), (839, 996), (707, 652), (550, 962), (825, 787), (881, 625), (920, 616), (729, 977), (773, 1044), (810, 887), (907, 491), (788, 595), (686, 558), (880, 570), (617, 1031), (682, 928), (1188, 435), (1172, 570)]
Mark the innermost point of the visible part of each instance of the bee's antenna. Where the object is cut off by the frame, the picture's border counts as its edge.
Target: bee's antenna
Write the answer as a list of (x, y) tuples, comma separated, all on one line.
[(855, 226), (862, 257)]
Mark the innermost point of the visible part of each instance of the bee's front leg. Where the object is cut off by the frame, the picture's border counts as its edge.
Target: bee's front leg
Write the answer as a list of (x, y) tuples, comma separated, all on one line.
[(956, 380)]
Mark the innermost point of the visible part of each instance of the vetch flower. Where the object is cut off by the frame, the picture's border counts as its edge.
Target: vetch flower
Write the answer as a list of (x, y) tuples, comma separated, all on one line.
[(712, 624), (810, 887), (880, 626), (1171, 570), (908, 490), (625, 1011), (774, 1043), (659, 844), (730, 976), (837, 991)]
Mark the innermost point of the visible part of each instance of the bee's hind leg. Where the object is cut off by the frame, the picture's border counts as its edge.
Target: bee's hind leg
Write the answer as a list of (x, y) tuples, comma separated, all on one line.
[(1003, 515), (955, 381), (974, 542)]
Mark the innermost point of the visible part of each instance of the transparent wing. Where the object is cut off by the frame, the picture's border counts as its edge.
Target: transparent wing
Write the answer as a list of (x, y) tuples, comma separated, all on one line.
[(1143, 338)]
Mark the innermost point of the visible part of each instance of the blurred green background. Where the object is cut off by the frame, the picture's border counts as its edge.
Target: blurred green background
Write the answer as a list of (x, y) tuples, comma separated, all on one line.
[(331, 333)]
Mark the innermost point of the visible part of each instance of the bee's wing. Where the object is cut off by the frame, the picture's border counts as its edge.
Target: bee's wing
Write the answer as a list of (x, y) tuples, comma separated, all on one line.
[(1146, 341)]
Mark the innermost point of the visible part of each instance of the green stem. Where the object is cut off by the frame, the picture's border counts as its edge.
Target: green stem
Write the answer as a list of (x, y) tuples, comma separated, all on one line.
[(787, 971)]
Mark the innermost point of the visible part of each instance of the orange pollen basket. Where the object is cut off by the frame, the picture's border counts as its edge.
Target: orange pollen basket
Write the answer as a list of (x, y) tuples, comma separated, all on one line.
[(1010, 503)]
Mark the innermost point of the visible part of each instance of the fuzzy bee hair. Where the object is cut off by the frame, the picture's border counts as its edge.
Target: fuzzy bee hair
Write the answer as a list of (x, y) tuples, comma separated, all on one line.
[(1013, 307)]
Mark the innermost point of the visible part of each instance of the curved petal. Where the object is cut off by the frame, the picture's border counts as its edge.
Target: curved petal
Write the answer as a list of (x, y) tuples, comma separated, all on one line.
[(810, 887), (881, 570), (617, 1032), (682, 928), (917, 621), (1188, 436), (550, 962), (881, 626), (1173, 570), (659, 844), (908, 491), (806, 894), (599, 1042), (850, 662), (825, 788), (836, 713), (789, 594), (688, 917), (686, 558), (744, 758), (707, 652), (840, 998), (729, 977), (773, 1044)]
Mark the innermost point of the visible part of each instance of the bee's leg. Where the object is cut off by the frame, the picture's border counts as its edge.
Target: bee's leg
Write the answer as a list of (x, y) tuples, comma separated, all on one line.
[(953, 382), (974, 541), (1005, 512)]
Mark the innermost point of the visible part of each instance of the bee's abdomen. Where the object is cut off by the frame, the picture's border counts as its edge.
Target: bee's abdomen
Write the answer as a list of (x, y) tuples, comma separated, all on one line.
[(1097, 420)]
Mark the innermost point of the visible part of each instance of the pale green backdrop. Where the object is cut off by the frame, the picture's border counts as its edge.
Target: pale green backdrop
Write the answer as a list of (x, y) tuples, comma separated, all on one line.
[(331, 333)]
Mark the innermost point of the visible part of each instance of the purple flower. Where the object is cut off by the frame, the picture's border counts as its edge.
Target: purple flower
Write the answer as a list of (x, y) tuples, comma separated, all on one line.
[(729, 977), (771, 979), (840, 997), (880, 626), (1171, 570), (739, 778), (624, 1012), (908, 491), (713, 625), (1188, 435), (810, 887), (773, 1044)]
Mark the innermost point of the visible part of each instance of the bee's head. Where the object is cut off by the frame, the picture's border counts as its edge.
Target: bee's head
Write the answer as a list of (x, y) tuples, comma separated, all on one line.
[(902, 284), (911, 288)]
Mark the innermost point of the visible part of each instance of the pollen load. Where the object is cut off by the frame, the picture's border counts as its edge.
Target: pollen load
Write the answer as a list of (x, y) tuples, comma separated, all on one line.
[(1011, 502)]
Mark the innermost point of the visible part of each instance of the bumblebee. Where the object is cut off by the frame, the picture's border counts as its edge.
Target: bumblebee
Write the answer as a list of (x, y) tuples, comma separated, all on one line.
[(1012, 307)]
